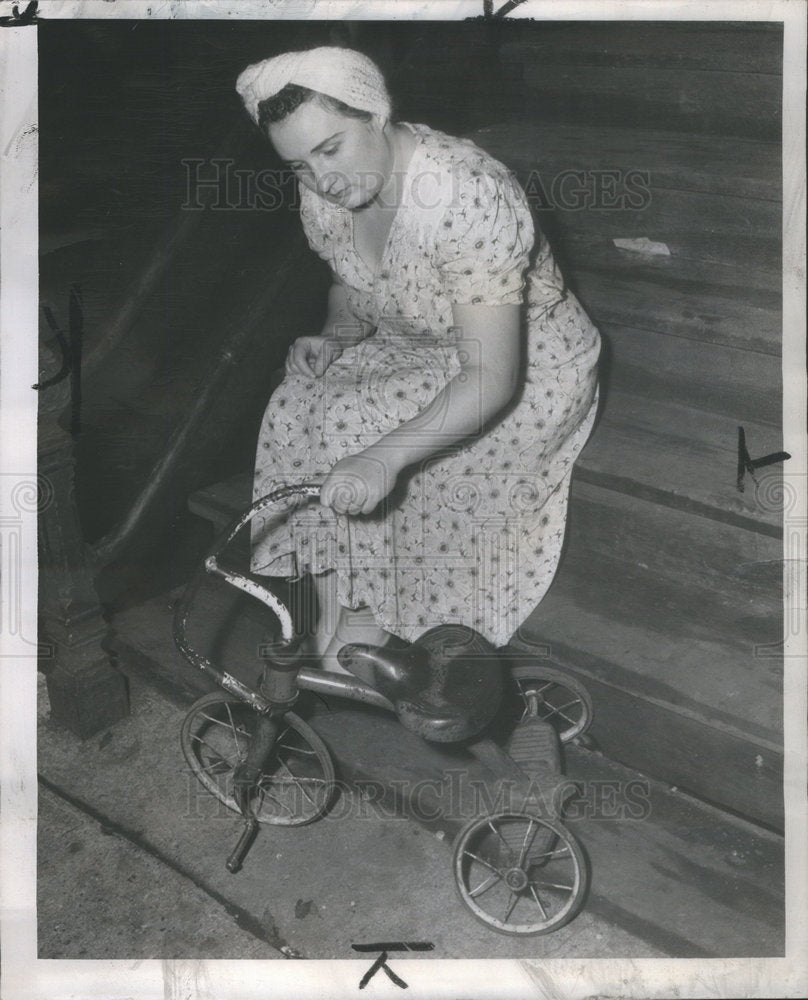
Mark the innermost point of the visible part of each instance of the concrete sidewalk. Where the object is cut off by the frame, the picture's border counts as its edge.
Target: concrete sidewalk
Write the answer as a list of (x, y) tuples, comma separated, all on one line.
[(131, 865)]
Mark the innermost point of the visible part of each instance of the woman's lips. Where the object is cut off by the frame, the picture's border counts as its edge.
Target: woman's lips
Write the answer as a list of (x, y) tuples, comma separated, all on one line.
[(336, 193)]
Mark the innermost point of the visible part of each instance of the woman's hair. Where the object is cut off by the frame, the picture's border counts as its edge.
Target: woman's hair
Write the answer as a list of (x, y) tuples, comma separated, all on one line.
[(279, 106)]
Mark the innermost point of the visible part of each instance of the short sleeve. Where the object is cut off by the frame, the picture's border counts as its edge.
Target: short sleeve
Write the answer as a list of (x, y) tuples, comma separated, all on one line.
[(484, 237)]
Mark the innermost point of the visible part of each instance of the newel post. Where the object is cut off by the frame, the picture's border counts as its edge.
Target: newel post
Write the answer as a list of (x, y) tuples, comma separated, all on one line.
[(87, 692)]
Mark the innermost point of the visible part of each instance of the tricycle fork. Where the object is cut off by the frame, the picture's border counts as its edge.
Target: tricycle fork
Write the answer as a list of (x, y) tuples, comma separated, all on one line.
[(245, 780), (279, 687)]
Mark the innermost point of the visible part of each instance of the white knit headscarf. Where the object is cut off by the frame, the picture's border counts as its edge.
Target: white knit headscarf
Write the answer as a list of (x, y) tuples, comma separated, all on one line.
[(344, 74)]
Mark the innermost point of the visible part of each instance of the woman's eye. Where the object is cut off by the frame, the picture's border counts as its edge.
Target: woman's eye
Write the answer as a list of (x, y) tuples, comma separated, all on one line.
[(330, 152)]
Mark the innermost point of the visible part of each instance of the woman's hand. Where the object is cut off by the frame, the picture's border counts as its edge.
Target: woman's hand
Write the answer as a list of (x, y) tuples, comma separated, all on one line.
[(311, 356), (356, 484)]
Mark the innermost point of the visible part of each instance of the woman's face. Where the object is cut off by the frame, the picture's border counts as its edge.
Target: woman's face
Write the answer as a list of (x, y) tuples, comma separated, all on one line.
[(345, 160)]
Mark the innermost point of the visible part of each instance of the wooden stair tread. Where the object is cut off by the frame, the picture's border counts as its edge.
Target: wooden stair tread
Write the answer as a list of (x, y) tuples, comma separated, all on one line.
[(662, 303), (692, 225), (761, 286), (697, 163), (221, 502), (729, 94), (684, 647), (743, 385), (735, 562), (713, 201), (682, 457)]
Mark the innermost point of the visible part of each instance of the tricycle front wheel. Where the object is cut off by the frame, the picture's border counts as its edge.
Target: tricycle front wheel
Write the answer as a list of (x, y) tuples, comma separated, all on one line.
[(296, 780)]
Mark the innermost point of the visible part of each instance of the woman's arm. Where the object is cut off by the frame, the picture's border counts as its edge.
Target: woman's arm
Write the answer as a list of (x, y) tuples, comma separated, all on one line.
[(490, 354), (491, 349)]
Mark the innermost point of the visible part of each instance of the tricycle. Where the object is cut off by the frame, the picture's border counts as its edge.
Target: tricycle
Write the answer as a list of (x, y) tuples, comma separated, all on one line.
[(518, 868)]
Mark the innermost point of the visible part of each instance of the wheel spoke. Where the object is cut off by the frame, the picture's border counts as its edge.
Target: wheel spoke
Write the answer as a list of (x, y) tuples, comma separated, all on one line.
[(266, 794), (268, 780), (296, 781), (548, 709), (553, 711), (537, 688), (551, 885), (562, 852), (232, 723), (569, 704), (528, 841), (542, 910), (486, 885), (482, 861), (497, 833), (225, 725), (224, 767), (300, 750), (216, 751), (509, 911)]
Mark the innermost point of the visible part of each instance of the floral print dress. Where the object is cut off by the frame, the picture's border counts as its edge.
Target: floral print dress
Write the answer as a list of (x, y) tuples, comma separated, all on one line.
[(474, 534)]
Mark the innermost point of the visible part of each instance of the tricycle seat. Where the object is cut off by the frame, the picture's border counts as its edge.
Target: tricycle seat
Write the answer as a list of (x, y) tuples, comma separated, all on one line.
[(445, 687)]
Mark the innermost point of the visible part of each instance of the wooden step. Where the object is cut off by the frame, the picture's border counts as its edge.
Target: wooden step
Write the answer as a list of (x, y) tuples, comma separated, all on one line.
[(691, 225), (638, 532), (742, 385), (698, 97), (745, 168), (715, 80), (687, 647), (618, 296), (713, 201), (685, 458), (761, 286)]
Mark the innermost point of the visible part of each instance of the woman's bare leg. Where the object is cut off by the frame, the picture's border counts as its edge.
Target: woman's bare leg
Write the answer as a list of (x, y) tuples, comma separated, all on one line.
[(328, 609), (328, 612)]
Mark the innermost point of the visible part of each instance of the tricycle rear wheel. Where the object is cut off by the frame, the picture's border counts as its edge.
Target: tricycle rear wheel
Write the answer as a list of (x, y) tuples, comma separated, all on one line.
[(518, 873), (552, 696)]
